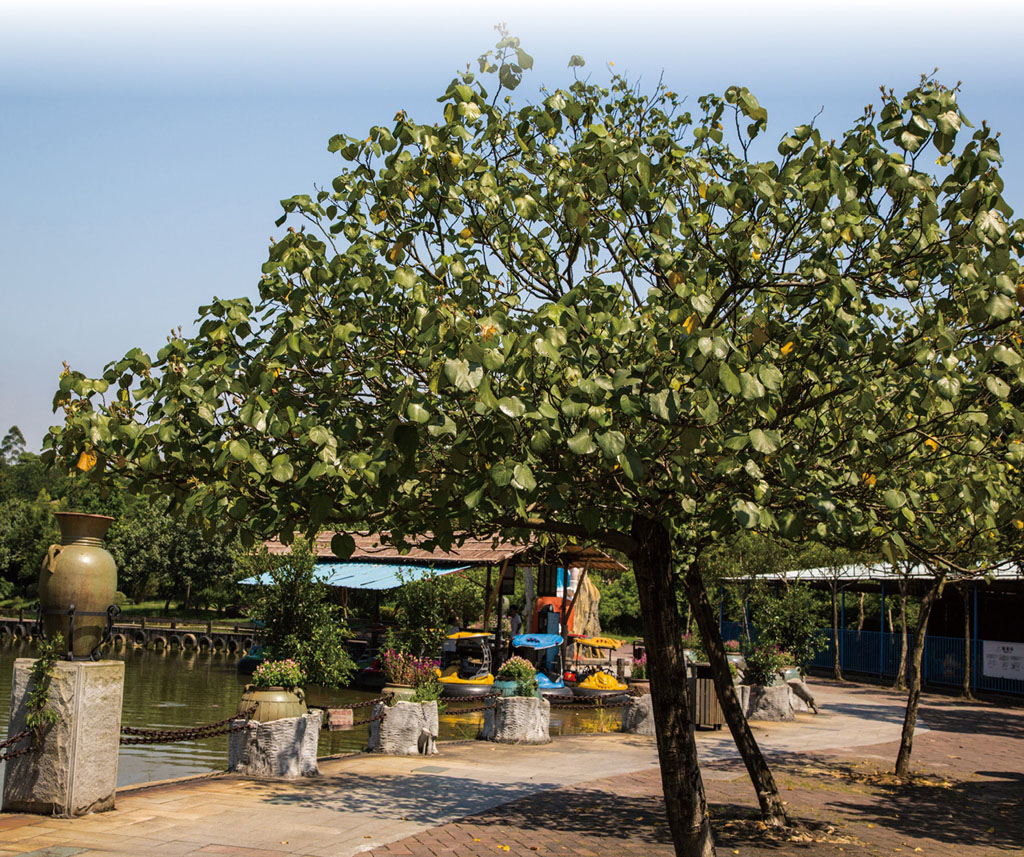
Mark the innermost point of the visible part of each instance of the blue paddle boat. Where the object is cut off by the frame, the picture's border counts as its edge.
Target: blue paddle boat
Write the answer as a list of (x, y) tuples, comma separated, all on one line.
[(544, 651)]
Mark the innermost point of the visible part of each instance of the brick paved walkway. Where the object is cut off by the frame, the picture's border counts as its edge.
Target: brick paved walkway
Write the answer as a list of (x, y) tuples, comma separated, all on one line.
[(596, 796)]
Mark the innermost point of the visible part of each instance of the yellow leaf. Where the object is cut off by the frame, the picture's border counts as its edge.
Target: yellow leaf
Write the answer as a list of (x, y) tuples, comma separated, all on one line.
[(869, 479), (787, 349), (466, 234), (690, 323), (702, 190), (932, 444), (86, 461)]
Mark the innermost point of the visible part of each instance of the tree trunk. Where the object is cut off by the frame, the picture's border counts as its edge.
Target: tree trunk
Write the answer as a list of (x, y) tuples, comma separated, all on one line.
[(685, 803), (901, 672), (966, 691), (914, 696), (860, 612), (837, 669), (773, 813)]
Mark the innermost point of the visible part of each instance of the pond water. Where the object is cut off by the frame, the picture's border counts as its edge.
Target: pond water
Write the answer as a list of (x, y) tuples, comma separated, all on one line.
[(172, 689)]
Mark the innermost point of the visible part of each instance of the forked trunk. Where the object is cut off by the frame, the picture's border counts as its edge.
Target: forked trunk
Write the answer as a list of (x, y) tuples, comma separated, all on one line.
[(914, 693), (685, 803), (773, 813)]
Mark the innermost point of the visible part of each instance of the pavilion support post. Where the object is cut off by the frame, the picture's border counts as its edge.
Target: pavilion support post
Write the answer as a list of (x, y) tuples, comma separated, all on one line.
[(881, 636)]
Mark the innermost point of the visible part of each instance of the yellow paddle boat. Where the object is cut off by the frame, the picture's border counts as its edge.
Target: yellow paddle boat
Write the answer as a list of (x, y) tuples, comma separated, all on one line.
[(466, 664)]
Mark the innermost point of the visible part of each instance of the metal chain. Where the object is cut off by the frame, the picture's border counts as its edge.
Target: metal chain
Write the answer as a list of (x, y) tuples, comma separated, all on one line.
[(595, 702), (17, 739), (380, 716), (191, 733)]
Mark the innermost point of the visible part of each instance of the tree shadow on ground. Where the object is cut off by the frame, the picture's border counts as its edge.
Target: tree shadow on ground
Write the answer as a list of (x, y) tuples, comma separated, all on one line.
[(428, 799), (985, 813)]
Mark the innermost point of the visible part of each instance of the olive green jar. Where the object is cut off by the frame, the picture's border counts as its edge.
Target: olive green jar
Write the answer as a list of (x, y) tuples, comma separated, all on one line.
[(273, 703), (80, 574)]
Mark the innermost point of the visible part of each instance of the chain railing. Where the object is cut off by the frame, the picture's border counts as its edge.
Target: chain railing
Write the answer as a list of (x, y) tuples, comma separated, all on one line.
[(582, 703), (12, 741), (190, 733)]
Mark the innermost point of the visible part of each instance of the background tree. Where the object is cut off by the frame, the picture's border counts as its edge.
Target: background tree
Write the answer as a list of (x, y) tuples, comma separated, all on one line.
[(591, 317)]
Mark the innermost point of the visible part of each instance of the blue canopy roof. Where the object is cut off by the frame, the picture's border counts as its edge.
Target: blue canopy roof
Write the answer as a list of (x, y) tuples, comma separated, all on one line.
[(537, 641), (365, 575)]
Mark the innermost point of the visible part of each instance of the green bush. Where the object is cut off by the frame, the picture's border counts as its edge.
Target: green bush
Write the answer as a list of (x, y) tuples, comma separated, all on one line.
[(287, 673), (764, 663), (790, 620), (299, 620)]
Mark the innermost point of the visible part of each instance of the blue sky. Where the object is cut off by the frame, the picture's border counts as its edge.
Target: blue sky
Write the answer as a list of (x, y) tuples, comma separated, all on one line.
[(144, 147)]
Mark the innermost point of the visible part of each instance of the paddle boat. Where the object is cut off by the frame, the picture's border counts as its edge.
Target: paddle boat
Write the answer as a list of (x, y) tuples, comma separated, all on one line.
[(596, 680), (466, 666), (544, 651)]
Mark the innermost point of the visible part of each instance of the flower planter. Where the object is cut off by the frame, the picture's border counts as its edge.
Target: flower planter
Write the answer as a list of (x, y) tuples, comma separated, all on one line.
[(401, 692), (511, 689), (273, 703)]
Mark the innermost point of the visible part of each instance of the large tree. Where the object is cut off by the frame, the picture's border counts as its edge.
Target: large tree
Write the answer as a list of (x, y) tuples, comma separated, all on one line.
[(593, 317)]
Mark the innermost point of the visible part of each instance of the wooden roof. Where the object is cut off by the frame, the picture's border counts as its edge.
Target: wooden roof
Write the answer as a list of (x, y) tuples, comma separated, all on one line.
[(472, 551)]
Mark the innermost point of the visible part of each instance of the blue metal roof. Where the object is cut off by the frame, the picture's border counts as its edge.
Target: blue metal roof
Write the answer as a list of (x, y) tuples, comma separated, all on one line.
[(365, 575), (537, 641)]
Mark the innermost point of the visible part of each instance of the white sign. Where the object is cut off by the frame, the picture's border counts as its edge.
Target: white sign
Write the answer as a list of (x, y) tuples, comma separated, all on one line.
[(1004, 660)]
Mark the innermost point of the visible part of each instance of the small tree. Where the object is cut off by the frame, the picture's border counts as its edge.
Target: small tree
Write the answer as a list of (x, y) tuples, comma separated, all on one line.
[(296, 614)]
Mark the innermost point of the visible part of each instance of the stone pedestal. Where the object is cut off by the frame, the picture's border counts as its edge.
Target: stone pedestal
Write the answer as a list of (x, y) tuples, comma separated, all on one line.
[(638, 716), (517, 720), (408, 729), (74, 772), (277, 748), (769, 703)]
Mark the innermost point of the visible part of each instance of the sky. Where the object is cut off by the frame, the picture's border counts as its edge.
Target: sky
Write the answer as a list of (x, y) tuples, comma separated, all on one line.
[(145, 146)]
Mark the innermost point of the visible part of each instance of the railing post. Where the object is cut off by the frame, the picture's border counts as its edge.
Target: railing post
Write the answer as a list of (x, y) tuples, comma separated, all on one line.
[(841, 641)]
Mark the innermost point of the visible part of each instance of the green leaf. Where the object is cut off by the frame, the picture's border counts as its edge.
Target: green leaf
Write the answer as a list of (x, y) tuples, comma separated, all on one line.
[(766, 442), (632, 466), (729, 380), (522, 478), (342, 545), (511, 406), (612, 443), (281, 469), (750, 386), (893, 499), (997, 386), (239, 449), (258, 462), (417, 413), (582, 443)]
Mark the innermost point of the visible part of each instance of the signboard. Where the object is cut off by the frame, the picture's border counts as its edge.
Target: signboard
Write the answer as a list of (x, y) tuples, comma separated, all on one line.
[(338, 719), (508, 582), (1003, 660)]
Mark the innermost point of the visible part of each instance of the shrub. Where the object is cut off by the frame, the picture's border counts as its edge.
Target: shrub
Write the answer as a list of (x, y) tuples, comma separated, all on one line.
[(428, 689), (299, 620), (522, 672), (694, 642), (286, 673), (764, 663)]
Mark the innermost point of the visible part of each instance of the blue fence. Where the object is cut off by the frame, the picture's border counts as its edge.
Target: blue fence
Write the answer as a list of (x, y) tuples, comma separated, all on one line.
[(878, 654)]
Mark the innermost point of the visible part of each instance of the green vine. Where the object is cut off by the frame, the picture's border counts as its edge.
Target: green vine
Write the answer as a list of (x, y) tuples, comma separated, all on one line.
[(40, 716)]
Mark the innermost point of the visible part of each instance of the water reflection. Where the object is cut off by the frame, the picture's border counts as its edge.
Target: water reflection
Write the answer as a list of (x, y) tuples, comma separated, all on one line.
[(172, 689)]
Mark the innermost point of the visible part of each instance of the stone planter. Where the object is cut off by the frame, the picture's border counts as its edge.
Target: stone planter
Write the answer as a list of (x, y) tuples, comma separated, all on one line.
[(407, 729), (517, 720), (638, 716), (277, 748), (769, 703), (640, 686), (273, 703)]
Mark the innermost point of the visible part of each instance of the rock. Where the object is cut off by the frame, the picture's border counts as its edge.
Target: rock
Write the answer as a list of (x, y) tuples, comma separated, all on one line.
[(74, 772), (769, 703), (638, 716), (800, 696), (517, 720), (743, 695), (277, 748), (408, 729)]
